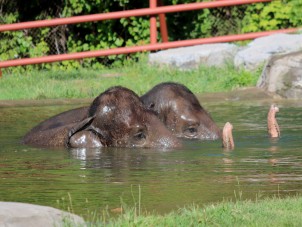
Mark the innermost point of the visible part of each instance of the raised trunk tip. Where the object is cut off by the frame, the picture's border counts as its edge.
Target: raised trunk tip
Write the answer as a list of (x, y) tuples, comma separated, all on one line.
[(227, 136), (272, 124)]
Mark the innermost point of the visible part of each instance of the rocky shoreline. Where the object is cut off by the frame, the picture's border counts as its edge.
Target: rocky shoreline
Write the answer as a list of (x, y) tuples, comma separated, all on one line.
[(279, 56), (24, 215)]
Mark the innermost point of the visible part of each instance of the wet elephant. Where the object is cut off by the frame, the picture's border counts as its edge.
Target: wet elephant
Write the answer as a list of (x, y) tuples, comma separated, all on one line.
[(179, 109), (62, 119), (115, 118)]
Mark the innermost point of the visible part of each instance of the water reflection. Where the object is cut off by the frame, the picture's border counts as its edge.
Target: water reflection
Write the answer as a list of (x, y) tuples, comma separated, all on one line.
[(201, 172), (86, 153)]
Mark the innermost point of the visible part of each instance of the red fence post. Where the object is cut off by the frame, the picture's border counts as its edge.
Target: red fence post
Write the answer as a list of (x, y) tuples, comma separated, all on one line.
[(163, 24), (153, 29)]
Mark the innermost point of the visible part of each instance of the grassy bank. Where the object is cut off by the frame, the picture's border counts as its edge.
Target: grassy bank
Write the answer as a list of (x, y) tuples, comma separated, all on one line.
[(266, 212), (138, 76)]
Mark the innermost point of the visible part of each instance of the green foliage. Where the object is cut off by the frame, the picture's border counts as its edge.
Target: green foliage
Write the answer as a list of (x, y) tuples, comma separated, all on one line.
[(106, 34), (216, 22), (295, 12), (21, 44), (127, 31), (275, 15)]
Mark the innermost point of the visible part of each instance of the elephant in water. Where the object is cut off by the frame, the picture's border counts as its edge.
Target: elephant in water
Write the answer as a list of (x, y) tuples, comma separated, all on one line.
[(179, 109), (115, 118)]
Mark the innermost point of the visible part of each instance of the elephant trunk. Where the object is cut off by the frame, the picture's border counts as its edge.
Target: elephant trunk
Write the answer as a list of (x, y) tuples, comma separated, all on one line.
[(272, 124), (227, 136)]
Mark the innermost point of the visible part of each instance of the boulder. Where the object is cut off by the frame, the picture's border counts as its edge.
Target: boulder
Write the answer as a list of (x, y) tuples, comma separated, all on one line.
[(258, 52), (192, 57), (14, 214), (282, 75)]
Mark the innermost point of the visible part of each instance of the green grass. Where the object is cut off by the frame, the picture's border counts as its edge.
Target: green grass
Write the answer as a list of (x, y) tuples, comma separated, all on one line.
[(138, 76), (265, 212)]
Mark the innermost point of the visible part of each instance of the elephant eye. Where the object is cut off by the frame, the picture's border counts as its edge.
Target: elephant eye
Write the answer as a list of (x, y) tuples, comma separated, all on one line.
[(190, 131), (151, 106), (140, 135)]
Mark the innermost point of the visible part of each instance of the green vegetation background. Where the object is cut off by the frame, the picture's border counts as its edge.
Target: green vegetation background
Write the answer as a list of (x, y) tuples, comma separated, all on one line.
[(136, 75), (87, 78), (131, 31)]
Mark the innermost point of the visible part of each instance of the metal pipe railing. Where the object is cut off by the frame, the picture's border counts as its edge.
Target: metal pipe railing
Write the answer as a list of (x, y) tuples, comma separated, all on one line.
[(149, 47), (125, 14), (153, 28), (163, 24), (152, 11)]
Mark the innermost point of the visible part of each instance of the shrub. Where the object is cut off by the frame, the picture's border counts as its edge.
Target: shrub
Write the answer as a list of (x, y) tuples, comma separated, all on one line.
[(127, 31)]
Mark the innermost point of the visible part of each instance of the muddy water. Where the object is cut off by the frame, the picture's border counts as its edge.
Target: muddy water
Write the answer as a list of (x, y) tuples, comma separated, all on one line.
[(201, 172)]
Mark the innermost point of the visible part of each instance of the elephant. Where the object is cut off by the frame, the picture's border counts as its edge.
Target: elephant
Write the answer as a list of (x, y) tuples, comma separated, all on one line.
[(176, 106), (116, 118), (179, 109)]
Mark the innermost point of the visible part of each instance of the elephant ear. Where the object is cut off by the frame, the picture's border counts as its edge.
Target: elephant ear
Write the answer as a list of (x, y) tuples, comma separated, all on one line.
[(82, 125), (86, 125)]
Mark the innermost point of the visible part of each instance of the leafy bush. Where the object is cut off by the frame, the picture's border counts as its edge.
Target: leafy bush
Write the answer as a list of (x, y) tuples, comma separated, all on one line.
[(295, 12), (127, 31), (272, 16)]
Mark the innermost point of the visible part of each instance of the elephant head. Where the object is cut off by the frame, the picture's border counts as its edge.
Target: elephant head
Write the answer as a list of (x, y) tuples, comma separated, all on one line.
[(179, 109), (117, 118)]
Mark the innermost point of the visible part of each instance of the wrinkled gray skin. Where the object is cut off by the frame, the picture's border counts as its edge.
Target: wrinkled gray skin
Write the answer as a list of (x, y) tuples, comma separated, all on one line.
[(179, 109), (116, 118)]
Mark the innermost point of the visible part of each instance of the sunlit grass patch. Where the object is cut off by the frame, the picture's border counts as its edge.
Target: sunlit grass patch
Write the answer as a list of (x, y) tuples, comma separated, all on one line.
[(265, 212), (138, 76)]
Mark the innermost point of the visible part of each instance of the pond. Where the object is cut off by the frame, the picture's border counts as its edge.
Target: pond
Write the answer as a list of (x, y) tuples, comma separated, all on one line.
[(159, 180)]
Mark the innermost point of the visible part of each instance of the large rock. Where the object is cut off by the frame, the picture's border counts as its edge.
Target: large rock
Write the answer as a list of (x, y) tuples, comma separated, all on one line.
[(283, 75), (193, 56), (258, 52), (21, 214)]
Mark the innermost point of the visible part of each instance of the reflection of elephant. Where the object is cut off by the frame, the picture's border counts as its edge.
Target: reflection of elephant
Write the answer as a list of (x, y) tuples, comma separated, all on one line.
[(181, 111), (115, 118)]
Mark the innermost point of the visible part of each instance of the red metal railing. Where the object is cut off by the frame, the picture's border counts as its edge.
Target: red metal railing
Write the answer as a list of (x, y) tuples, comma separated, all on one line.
[(153, 11)]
